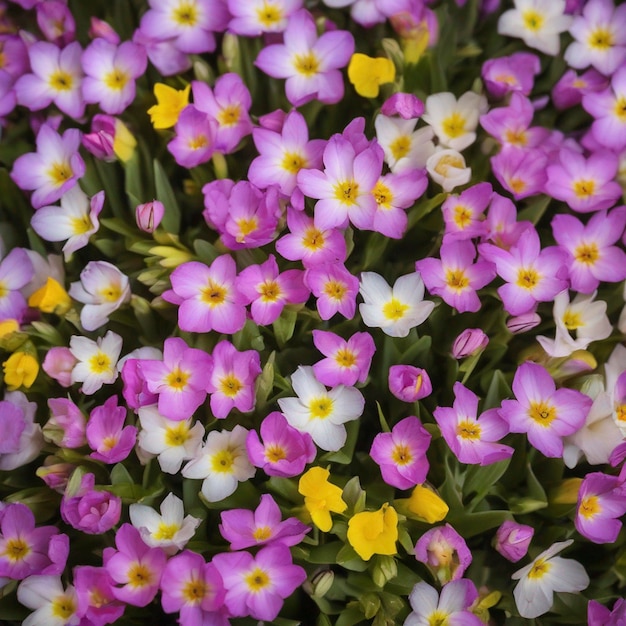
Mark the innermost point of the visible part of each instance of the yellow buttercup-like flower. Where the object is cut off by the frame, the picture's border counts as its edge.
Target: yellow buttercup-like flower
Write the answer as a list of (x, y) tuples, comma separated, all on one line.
[(20, 370), (427, 504), (320, 497), (8, 326), (170, 102), (124, 143), (51, 298), (368, 73), (374, 532)]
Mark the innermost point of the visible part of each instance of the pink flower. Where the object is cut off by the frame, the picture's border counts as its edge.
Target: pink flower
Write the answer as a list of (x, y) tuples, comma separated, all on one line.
[(501, 225), (96, 601), (257, 585), (522, 172), (408, 383), (16, 271), (569, 90), (463, 214), (194, 141), (444, 552), (22, 439), (513, 73), (512, 540), (406, 105), (468, 342), (106, 434), (179, 379), (285, 450), (255, 17), (310, 64), (208, 297), (346, 362), (58, 364), (68, 421), (546, 414), (401, 454), (335, 289), (149, 215)]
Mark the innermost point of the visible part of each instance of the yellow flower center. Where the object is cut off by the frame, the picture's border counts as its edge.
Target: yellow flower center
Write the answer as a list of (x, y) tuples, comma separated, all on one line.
[(542, 413), (197, 142), (4, 290), (590, 507), (257, 580), (517, 184), (584, 188), (462, 216), (307, 64), (383, 195), (400, 147), (438, 618), (177, 379), (539, 569), (61, 81), (110, 293), (516, 137), (60, 173), (223, 461), (116, 80), (246, 225), (186, 14), (63, 607), (468, 430), (587, 253), (454, 125), (572, 320), (394, 309), (194, 591), (262, 533), (270, 291), (533, 20), (81, 225), (269, 15), (457, 280), (401, 454), (446, 162), (139, 576), (229, 115), (601, 39), (620, 412), (230, 386), (16, 549), (313, 239), (275, 453), (320, 408), (345, 357), (213, 294), (177, 435), (347, 192), (507, 79), (335, 290), (166, 532), (100, 363), (528, 278), (293, 162), (620, 109)]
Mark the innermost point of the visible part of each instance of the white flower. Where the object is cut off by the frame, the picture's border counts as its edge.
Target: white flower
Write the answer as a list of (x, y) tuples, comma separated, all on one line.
[(223, 463), (102, 289), (395, 310), (584, 316), (534, 594), (454, 121), (52, 605), (537, 22), (320, 412), (404, 147), (173, 441), (97, 361), (448, 169), (171, 530)]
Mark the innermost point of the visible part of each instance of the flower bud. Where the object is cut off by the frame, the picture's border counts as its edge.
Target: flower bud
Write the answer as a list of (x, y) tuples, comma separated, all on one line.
[(149, 215), (54, 473), (512, 540), (406, 105), (468, 342), (99, 29), (425, 503), (58, 364), (523, 323), (322, 582), (408, 383)]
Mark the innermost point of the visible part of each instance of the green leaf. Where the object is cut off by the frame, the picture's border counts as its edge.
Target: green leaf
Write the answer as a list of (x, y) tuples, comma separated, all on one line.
[(348, 558), (354, 496), (381, 418), (472, 524), (285, 325), (326, 554), (480, 480), (497, 391), (206, 251), (350, 616), (120, 475), (165, 193)]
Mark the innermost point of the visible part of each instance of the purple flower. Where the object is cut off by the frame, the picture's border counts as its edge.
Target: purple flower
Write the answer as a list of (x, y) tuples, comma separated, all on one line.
[(408, 383), (512, 540), (468, 342), (22, 439), (406, 105), (255, 17), (444, 552), (96, 601), (335, 289), (522, 172), (264, 526), (16, 271), (401, 454), (513, 73), (346, 362), (463, 214), (66, 426), (285, 450), (90, 511), (149, 215), (571, 87), (194, 141), (107, 435), (599, 615)]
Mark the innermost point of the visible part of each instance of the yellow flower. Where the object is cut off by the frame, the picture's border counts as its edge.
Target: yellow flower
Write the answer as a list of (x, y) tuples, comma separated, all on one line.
[(374, 532), (20, 369), (427, 504), (320, 497), (566, 492), (170, 102), (8, 326), (124, 143), (51, 298), (368, 73)]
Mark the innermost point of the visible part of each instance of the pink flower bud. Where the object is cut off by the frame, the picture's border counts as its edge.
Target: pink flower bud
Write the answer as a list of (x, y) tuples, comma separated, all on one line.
[(468, 342), (523, 323), (406, 105), (55, 474), (99, 29), (66, 426), (58, 364), (512, 540), (101, 139), (149, 215), (408, 383)]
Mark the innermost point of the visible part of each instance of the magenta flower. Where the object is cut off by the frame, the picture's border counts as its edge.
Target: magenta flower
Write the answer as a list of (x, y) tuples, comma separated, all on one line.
[(53, 169), (408, 383), (96, 601), (68, 421), (592, 255), (472, 439), (513, 73), (148, 215), (401, 454), (444, 552), (16, 271), (207, 296), (90, 511), (468, 342), (269, 291), (531, 275), (335, 289), (310, 64), (135, 390), (56, 21), (58, 364), (522, 172), (463, 214), (107, 436), (194, 142), (194, 588), (599, 615), (110, 73), (601, 502), (546, 414), (512, 540), (101, 140), (27, 550), (135, 568), (264, 526), (56, 76), (179, 379), (347, 361), (257, 586), (406, 105), (255, 17), (345, 188), (569, 90), (284, 451), (231, 379), (309, 244), (454, 277)]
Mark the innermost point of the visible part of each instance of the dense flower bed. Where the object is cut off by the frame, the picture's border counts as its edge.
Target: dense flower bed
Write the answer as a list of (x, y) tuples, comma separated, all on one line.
[(312, 312)]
